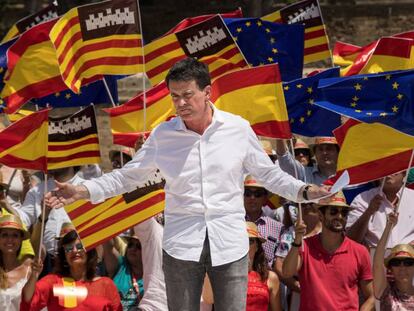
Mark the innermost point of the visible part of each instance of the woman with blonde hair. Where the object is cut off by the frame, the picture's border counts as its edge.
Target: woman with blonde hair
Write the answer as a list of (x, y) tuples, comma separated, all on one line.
[(396, 293), (13, 272)]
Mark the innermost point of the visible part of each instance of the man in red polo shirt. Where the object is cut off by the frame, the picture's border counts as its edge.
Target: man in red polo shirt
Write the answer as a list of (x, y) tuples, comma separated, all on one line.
[(330, 266)]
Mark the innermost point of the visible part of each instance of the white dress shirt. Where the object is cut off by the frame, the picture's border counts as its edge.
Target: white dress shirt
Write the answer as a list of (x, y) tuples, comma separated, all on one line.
[(32, 208), (402, 233), (204, 184)]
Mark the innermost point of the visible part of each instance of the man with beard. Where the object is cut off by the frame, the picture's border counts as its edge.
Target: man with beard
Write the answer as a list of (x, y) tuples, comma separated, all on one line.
[(330, 266), (325, 149)]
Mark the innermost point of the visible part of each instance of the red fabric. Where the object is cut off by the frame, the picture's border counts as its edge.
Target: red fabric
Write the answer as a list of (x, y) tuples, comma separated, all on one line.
[(330, 281), (257, 293), (102, 295)]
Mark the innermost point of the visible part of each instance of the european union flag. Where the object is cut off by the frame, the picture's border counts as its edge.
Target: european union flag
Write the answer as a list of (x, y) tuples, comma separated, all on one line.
[(92, 93), (384, 98), (263, 42), (3, 66), (305, 117)]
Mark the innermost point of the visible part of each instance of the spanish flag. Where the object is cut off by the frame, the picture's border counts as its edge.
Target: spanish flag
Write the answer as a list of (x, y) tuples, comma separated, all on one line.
[(371, 151), (24, 143), (33, 69), (97, 223), (209, 41), (98, 39), (256, 94), (127, 120), (308, 13)]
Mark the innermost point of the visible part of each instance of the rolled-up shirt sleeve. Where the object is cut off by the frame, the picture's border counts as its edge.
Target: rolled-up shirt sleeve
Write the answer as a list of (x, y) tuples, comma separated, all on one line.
[(127, 178), (270, 175)]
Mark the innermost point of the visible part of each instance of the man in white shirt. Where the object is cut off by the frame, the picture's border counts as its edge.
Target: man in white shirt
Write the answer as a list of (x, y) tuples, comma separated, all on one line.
[(203, 154)]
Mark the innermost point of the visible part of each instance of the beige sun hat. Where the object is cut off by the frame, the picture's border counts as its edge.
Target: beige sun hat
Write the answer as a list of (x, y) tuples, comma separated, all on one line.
[(253, 232), (13, 222), (400, 251), (250, 181)]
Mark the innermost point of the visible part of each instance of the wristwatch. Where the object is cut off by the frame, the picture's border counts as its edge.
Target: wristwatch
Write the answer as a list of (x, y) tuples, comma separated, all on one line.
[(305, 192)]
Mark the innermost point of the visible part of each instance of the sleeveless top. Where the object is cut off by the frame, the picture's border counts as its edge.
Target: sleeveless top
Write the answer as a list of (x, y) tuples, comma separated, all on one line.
[(257, 293), (10, 297), (392, 299)]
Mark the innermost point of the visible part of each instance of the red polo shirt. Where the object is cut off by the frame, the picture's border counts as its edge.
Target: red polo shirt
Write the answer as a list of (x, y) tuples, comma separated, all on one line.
[(330, 281)]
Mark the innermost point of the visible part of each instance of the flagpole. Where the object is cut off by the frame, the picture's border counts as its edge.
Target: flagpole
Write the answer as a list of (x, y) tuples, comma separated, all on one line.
[(326, 34), (42, 227), (404, 182), (144, 70), (109, 92)]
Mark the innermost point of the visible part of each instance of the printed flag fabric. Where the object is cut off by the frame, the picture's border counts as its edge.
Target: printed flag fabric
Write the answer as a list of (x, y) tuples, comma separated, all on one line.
[(33, 52), (3, 67), (371, 151), (97, 223), (255, 94), (208, 41), (385, 54), (73, 140), (45, 14), (263, 42), (24, 143), (98, 39), (127, 120), (384, 98), (306, 118), (308, 13)]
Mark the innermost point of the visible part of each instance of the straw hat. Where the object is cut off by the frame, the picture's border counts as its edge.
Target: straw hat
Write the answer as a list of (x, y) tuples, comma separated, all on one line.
[(338, 200), (324, 140), (13, 222), (300, 144), (125, 151), (65, 229), (400, 251), (250, 181), (253, 232)]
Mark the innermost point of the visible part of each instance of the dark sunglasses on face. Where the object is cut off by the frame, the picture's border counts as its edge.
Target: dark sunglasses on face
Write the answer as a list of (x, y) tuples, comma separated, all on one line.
[(305, 152), (134, 245), (407, 262), (256, 194), (333, 211), (70, 248)]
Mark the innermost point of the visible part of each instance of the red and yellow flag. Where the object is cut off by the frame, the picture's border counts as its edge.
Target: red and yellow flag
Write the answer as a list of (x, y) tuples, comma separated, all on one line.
[(97, 223), (97, 39), (127, 120), (33, 69), (255, 94), (24, 143), (308, 13), (209, 41), (371, 151)]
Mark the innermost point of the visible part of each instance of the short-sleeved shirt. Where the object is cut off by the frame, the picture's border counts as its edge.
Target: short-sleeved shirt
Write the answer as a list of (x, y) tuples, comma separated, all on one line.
[(393, 299), (330, 281)]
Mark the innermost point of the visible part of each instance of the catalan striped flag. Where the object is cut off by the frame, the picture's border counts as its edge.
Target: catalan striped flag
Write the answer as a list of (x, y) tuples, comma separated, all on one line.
[(24, 143), (385, 54), (209, 41), (127, 120), (256, 94), (73, 140), (97, 223), (45, 14), (371, 151), (97, 39), (308, 13), (33, 69)]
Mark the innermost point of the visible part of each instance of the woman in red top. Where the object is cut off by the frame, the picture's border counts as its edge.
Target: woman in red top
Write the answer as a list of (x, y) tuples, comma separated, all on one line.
[(74, 286), (263, 285)]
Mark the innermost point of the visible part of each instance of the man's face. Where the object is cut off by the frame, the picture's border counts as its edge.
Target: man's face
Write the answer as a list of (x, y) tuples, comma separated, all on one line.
[(303, 156), (334, 219), (190, 103), (394, 181), (254, 199), (326, 154)]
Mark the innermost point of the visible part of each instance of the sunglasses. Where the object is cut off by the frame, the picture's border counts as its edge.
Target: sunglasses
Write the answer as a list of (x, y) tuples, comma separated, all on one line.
[(305, 152), (333, 211), (407, 262), (134, 245), (256, 194), (70, 248)]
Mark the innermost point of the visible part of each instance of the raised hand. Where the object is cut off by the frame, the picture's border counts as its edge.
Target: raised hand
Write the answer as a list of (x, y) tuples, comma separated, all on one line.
[(65, 194)]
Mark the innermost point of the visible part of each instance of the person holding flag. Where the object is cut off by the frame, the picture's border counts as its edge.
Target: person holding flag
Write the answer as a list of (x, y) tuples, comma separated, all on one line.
[(203, 154)]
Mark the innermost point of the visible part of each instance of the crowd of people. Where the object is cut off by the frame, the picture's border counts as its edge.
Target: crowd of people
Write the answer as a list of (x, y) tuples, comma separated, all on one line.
[(221, 243)]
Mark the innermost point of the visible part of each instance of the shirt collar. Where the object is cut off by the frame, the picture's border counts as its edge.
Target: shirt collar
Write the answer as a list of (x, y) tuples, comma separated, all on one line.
[(217, 117)]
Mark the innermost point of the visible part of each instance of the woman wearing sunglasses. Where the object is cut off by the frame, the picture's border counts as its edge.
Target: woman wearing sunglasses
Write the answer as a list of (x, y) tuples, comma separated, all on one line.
[(126, 271), (263, 285), (396, 293), (74, 285)]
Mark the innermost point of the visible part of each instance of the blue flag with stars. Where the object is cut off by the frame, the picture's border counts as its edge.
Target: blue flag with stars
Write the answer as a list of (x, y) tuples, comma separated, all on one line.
[(92, 93), (384, 98), (305, 117), (3, 66), (263, 43)]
